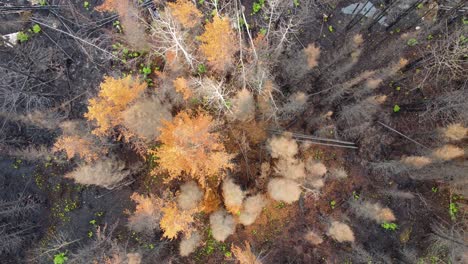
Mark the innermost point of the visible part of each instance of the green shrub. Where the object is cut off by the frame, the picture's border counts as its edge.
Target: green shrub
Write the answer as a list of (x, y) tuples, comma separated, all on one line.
[(60, 258), (22, 37), (389, 226)]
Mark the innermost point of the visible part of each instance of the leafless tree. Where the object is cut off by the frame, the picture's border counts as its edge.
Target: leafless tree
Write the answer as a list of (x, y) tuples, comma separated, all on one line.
[(448, 107), (169, 36), (21, 85), (282, 24), (104, 248), (56, 243), (449, 239), (16, 227), (446, 60), (214, 93)]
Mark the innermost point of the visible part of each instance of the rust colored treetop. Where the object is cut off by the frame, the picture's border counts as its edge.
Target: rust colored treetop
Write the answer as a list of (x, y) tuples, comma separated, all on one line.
[(190, 147), (185, 12), (113, 98), (218, 43)]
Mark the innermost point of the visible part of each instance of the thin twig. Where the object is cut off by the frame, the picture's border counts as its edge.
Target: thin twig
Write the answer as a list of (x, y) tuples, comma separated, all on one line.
[(27, 75), (56, 44), (403, 135), (61, 246), (239, 28), (250, 36), (326, 144), (118, 187), (75, 37), (313, 138)]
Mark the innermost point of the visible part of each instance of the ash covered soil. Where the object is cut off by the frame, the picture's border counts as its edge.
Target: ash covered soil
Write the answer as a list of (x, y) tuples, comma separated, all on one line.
[(249, 132)]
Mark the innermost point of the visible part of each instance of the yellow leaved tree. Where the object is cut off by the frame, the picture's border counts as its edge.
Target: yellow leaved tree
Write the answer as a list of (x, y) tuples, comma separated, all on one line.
[(175, 221), (185, 12), (189, 146), (218, 43), (113, 98)]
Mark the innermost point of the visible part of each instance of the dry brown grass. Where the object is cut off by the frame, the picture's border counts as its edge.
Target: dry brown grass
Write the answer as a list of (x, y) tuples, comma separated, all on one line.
[(145, 117), (245, 255), (252, 208), (291, 168), (454, 132), (243, 106), (416, 161), (283, 146), (106, 173), (189, 244), (373, 211), (222, 224), (313, 238), (313, 54), (448, 152), (190, 196), (341, 232), (233, 196), (358, 40), (284, 190)]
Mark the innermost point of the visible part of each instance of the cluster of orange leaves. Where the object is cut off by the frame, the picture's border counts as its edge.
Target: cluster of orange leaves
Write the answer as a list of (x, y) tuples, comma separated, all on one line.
[(175, 220), (113, 98), (77, 146), (189, 146), (146, 205), (182, 87), (185, 12), (108, 5), (218, 43)]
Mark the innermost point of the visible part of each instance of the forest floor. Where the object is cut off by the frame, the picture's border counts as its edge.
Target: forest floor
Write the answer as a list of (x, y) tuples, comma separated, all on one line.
[(278, 234)]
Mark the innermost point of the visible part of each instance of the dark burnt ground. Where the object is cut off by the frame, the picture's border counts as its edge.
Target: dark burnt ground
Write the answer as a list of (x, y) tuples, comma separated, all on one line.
[(17, 185), (51, 72), (415, 204), (49, 78), (52, 75), (63, 72)]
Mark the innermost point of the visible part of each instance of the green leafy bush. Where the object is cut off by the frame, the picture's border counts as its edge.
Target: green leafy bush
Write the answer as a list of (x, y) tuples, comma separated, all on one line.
[(36, 28), (22, 37), (389, 226), (412, 42), (257, 6), (60, 258)]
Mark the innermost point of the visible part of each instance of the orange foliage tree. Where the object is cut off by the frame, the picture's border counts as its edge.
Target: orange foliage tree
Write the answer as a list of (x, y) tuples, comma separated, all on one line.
[(189, 146), (113, 98), (218, 43), (185, 12), (181, 86), (147, 213), (78, 146), (175, 221)]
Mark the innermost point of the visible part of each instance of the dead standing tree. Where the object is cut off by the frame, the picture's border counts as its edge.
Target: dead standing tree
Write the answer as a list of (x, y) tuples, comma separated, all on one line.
[(16, 224)]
